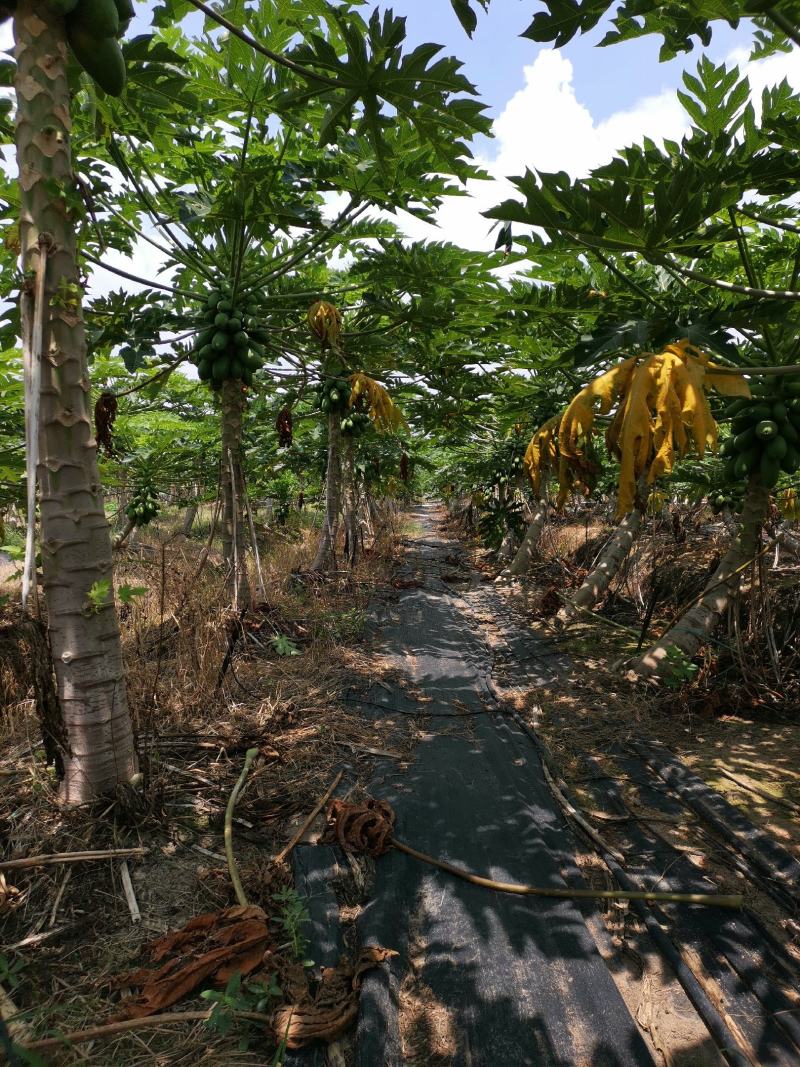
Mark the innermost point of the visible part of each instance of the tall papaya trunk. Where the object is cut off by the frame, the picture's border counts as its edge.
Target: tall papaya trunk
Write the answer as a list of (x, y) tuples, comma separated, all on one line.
[(188, 519), (351, 501), (234, 544), (522, 561), (325, 558), (76, 540), (596, 583), (700, 621)]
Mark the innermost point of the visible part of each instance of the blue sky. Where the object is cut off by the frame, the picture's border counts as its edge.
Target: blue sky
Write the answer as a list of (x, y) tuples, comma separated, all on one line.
[(567, 109), (606, 79)]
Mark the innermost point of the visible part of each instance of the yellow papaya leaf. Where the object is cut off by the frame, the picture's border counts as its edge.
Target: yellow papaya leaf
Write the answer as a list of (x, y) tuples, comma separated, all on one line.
[(541, 453), (727, 384), (382, 409)]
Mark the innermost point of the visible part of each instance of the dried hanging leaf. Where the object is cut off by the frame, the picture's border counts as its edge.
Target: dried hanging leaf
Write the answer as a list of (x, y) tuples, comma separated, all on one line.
[(105, 412), (283, 425), (382, 409), (404, 468), (542, 453), (211, 947), (365, 827), (788, 505), (325, 322), (332, 1008), (578, 419)]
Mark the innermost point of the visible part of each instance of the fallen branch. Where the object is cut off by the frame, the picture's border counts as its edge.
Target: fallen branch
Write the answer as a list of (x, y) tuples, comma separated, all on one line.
[(284, 852), (734, 900), (78, 1037), (69, 857), (790, 804), (250, 755)]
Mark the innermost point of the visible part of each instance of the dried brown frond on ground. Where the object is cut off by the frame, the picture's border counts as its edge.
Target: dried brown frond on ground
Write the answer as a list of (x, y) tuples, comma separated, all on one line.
[(295, 656)]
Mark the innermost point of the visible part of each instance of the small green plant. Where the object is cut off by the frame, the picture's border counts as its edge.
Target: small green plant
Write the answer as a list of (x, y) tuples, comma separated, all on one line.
[(680, 668), (283, 646), (10, 972), (293, 917), (128, 593), (238, 996), (98, 597)]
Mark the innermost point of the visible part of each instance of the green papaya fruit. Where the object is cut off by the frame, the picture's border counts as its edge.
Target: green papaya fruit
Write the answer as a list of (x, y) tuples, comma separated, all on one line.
[(777, 448), (204, 370), (220, 320), (234, 324), (247, 376), (769, 471), (225, 304), (207, 352), (252, 361), (766, 430), (219, 341), (740, 424), (746, 439), (204, 337), (789, 431), (791, 461), (738, 407), (101, 58), (64, 7), (748, 461), (220, 369), (236, 367), (213, 299), (791, 387), (98, 17), (125, 10), (757, 412), (240, 339), (779, 410)]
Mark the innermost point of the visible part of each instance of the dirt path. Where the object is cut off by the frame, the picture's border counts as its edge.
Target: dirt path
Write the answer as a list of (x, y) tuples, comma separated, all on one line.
[(483, 977)]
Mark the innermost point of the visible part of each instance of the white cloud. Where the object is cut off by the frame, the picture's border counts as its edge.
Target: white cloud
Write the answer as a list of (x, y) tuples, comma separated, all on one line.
[(545, 127)]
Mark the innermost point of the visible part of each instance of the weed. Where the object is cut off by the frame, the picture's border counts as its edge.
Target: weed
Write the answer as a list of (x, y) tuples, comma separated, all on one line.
[(681, 669), (237, 997), (293, 917)]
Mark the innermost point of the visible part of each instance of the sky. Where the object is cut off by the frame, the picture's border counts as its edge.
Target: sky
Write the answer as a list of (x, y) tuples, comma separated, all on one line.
[(567, 109)]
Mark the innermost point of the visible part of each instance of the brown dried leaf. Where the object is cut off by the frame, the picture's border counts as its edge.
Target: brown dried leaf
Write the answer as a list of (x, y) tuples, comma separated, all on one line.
[(210, 947), (327, 1013), (365, 827), (10, 896)]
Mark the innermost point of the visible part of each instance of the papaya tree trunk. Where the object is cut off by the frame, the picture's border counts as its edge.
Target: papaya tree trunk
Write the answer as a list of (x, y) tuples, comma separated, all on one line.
[(188, 519), (596, 583), (696, 626), (130, 527), (234, 545), (325, 558), (351, 500), (76, 540), (522, 561)]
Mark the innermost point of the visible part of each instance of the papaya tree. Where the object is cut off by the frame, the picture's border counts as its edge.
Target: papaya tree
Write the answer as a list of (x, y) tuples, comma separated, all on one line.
[(281, 113), (93, 741), (685, 211)]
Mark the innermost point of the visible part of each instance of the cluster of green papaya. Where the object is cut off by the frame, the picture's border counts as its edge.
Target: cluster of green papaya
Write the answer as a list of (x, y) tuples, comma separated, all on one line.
[(93, 31), (228, 344), (765, 433), (727, 498), (334, 394), (355, 423), (143, 507)]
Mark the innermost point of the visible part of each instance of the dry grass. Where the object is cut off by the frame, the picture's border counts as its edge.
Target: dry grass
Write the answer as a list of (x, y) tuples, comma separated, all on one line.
[(193, 730)]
